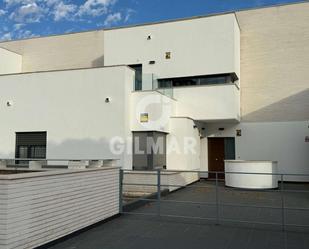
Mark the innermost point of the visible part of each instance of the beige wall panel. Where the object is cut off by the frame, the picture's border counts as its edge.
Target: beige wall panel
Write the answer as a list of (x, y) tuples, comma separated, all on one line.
[(9, 62), (78, 50), (275, 63)]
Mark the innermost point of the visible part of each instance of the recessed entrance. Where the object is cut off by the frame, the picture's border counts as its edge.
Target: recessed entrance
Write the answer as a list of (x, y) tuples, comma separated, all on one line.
[(149, 150), (220, 149)]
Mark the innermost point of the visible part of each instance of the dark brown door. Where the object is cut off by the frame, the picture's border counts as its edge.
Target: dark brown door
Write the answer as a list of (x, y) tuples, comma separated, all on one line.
[(216, 157)]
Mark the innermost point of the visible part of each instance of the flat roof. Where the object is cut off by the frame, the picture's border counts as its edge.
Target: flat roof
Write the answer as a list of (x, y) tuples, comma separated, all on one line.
[(64, 70), (164, 21)]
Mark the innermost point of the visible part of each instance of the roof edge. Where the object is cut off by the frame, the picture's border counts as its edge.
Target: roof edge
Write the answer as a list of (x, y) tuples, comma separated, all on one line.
[(163, 21)]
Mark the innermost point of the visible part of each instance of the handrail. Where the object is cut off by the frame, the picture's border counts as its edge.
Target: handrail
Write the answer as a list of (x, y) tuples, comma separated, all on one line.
[(215, 172), (282, 205)]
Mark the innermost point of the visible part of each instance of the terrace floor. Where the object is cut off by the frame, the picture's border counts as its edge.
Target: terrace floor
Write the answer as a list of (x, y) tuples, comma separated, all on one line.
[(132, 231)]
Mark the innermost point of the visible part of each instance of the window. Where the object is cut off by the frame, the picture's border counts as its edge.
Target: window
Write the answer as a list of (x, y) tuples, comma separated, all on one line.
[(30, 145), (138, 76), (198, 80)]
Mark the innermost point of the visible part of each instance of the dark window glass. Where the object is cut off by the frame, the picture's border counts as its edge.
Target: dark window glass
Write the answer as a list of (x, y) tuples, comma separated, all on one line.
[(138, 76), (37, 151), (30, 145), (196, 81), (185, 82), (229, 148), (165, 83), (215, 80)]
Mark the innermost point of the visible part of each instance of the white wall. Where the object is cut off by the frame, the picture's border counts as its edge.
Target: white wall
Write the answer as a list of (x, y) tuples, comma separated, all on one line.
[(214, 102), (198, 46), (70, 106), (204, 156), (10, 62), (277, 141), (180, 157), (159, 108)]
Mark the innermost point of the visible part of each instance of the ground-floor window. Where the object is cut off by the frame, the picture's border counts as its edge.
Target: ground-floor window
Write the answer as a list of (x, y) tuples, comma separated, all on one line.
[(31, 145)]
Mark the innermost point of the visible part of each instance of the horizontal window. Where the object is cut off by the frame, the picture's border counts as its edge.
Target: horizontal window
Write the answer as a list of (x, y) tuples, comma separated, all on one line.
[(198, 80)]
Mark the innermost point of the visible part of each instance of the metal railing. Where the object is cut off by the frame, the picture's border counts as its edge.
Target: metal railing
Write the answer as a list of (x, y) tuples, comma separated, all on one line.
[(156, 197), (149, 82)]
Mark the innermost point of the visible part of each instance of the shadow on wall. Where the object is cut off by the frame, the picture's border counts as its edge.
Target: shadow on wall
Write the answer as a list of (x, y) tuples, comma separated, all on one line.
[(81, 149), (99, 62), (292, 108), (76, 149)]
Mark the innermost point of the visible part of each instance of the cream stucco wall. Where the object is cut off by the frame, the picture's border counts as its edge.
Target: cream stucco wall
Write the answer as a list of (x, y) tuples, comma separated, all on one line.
[(71, 107), (10, 62), (274, 63), (79, 50), (198, 46)]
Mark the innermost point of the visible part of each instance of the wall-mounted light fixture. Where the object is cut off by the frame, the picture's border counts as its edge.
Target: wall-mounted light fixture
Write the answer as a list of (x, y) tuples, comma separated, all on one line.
[(9, 103), (149, 37), (168, 55), (238, 133), (107, 100)]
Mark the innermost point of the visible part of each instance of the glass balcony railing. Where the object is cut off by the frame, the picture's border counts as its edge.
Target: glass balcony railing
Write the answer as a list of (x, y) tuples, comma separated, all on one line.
[(149, 82)]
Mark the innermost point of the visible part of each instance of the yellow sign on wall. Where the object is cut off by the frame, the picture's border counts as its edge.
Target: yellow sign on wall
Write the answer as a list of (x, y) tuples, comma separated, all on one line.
[(144, 117)]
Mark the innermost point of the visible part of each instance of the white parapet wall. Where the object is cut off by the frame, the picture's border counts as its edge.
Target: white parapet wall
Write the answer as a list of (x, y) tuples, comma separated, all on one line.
[(147, 181), (39, 207)]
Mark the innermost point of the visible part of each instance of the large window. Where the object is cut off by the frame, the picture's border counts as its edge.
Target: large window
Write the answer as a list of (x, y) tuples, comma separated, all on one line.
[(198, 80), (31, 145)]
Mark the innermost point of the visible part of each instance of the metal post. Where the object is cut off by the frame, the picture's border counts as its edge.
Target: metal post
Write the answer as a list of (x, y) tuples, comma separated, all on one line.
[(120, 190), (217, 201), (159, 191), (282, 204)]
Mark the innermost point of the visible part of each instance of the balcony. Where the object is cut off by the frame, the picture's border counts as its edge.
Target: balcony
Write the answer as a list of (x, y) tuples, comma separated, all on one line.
[(209, 102), (149, 82)]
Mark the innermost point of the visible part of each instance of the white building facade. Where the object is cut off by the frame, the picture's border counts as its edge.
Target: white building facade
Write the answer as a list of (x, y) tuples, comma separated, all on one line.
[(197, 91)]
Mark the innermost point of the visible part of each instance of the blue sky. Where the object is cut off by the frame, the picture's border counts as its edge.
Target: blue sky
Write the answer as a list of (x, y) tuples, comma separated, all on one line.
[(28, 18)]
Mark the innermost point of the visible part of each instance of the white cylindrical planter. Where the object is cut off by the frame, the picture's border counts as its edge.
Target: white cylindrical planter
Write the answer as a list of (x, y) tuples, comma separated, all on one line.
[(257, 174)]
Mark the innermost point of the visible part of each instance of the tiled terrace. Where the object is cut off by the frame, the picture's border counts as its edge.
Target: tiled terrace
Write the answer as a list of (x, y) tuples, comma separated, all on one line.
[(136, 231)]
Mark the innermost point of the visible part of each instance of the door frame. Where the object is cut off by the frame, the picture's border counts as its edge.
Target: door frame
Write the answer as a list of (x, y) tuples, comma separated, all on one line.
[(221, 176)]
